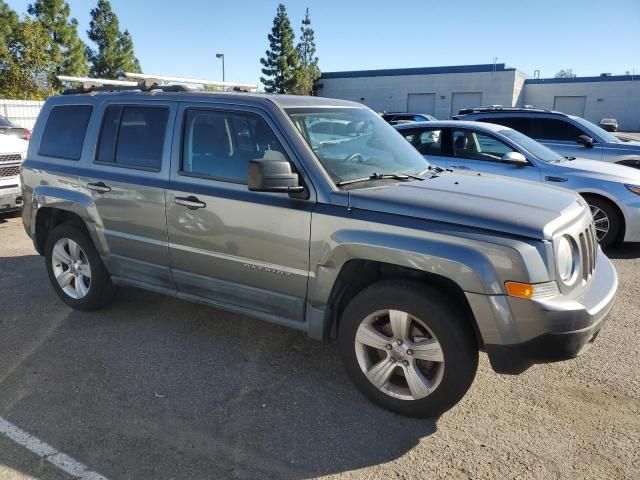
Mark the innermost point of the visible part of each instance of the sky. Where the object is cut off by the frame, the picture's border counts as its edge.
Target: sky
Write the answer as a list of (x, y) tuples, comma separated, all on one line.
[(182, 38)]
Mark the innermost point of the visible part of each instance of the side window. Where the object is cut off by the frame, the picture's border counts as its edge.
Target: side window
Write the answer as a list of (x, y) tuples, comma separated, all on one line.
[(220, 144), (133, 136), (523, 125), (430, 142), (553, 129), (478, 146), (64, 131)]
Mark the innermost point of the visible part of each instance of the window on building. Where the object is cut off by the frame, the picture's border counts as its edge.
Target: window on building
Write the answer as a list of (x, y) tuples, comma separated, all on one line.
[(64, 131)]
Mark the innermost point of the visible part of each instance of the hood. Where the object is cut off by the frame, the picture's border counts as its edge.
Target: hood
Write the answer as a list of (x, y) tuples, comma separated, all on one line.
[(489, 202), (599, 170), (11, 144)]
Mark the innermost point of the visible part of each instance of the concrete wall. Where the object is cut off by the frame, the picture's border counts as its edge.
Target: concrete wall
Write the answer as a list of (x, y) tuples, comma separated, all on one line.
[(615, 98), (390, 93)]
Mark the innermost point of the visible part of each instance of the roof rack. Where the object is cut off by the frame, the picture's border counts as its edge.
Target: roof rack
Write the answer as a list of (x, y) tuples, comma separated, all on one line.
[(238, 87), (500, 108)]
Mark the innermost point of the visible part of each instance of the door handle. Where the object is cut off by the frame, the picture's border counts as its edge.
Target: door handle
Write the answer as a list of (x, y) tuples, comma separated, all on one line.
[(459, 167), (99, 187), (192, 203)]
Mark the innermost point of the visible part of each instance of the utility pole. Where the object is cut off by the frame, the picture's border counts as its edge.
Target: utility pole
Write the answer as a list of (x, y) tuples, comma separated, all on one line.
[(221, 56)]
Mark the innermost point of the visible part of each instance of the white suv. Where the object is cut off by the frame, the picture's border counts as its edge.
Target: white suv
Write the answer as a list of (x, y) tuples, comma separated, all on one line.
[(12, 151)]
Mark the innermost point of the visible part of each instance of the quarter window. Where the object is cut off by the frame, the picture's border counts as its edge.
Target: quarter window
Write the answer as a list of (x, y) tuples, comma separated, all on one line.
[(64, 131), (133, 136), (220, 144)]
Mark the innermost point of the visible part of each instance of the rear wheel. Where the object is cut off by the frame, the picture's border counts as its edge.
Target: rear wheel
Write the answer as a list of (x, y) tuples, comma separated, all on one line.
[(407, 349)]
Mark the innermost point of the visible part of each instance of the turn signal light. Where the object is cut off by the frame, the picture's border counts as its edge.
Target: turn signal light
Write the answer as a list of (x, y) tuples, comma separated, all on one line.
[(531, 291)]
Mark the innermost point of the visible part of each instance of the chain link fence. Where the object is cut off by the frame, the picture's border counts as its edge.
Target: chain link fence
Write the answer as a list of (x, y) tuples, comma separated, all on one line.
[(21, 112)]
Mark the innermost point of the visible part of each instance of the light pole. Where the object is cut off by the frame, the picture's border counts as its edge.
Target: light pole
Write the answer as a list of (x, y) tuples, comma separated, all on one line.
[(221, 55)]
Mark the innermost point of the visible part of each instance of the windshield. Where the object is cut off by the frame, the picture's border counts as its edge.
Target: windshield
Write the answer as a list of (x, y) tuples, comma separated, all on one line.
[(353, 143), (606, 136), (534, 148)]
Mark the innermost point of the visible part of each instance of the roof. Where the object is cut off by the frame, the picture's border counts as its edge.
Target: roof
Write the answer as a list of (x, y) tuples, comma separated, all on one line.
[(453, 124), (505, 110), (606, 78), (486, 67)]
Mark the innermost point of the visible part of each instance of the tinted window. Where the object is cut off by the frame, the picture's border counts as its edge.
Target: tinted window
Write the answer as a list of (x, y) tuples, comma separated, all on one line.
[(428, 142), (220, 144), (552, 129), (133, 136), (523, 125), (478, 146), (65, 130)]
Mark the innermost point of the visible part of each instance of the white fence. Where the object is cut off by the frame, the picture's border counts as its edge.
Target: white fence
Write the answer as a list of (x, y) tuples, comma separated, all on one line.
[(21, 112)]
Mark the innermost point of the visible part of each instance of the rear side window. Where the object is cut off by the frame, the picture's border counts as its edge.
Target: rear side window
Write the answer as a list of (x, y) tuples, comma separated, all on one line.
[(133, 136), (220, 144), (64, 131), (523, 125)]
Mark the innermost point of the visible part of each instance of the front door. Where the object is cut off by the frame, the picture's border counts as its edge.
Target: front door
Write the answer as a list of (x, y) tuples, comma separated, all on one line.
[(482, 152), (245, 251)]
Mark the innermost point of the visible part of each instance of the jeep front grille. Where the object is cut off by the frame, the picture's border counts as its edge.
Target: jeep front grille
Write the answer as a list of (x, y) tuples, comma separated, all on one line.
[(588, 251), (11, 157), (10, 171)]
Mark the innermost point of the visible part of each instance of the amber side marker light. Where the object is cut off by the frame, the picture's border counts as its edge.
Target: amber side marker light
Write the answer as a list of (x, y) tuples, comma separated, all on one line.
[(530, 291)]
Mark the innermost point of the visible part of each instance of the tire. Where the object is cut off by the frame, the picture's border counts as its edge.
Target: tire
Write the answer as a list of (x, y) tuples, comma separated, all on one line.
[(605, 215), (448, 375), (92, 292)]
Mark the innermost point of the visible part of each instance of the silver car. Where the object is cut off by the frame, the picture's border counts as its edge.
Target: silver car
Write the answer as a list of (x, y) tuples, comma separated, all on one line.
[(612, 191), (569, 135)]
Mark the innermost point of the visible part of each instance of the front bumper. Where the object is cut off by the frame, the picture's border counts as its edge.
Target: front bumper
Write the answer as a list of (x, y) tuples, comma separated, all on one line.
[(10, 195), (554, 329), (631, 210)]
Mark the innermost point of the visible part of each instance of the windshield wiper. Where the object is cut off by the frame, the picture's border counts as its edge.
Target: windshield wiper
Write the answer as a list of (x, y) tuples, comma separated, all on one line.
[(381, 176)]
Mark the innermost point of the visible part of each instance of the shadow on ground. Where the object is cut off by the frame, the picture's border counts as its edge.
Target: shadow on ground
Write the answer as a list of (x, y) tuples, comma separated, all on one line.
[(624, 251), (153, 387)]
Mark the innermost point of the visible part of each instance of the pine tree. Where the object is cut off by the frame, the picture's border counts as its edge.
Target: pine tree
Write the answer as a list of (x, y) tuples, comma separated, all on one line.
[(8, 23), (26, 70), (66, 50), (308, 71), (114, 54), (281, 60)]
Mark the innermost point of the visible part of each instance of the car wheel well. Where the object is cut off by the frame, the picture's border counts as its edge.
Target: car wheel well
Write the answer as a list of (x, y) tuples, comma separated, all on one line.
[(611, 203), (49, 218), (356, 275)]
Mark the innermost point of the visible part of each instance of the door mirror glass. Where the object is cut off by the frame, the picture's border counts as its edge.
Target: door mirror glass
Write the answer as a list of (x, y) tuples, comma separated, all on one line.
[(586, 140), (514, 158), (273, 176)]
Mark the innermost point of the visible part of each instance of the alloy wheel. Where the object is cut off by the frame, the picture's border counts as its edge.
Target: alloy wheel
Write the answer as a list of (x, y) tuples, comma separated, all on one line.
[(71, 268), (601, 222)]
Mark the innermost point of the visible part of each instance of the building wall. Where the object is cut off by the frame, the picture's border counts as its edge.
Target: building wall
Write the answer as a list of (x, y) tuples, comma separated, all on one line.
[(390, 93), (617, 97)]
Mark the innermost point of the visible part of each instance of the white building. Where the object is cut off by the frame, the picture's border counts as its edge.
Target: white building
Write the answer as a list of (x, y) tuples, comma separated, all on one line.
[(443, 91)]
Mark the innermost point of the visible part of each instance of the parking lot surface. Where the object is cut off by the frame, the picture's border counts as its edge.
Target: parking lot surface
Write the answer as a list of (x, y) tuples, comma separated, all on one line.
[(154, 387)]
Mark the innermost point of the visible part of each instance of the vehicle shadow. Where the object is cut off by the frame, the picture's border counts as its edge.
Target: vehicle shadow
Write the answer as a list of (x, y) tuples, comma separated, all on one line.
[(154, 387), (624, 251)]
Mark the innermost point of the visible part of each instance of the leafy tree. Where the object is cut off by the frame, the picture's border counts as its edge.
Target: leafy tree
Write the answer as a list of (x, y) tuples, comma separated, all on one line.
[(281, 60), (566, 73), (308, 71), (26, 70), (66, 50), (8, 22), (114, 54)]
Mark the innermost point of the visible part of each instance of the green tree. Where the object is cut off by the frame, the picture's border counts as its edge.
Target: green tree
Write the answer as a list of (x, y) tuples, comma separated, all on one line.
[(8, 23), (281, 60), (566, 73), (114, 54), (66, 50), (26, 70), (307, 72)]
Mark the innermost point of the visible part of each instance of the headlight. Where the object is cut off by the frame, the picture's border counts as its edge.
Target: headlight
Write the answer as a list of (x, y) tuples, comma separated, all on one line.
[(566, 259), (633, 188)]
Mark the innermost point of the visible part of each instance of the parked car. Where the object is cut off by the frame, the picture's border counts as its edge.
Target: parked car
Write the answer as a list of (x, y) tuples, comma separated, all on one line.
[(612, 191), (399, 118), (12, 152), (232, 200), (568, 135), (609, 124), (9, 128)]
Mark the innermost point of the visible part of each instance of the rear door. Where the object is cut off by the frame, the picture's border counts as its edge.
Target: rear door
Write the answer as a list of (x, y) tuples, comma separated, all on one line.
[(431, 143), (245, 251), (127, 180)]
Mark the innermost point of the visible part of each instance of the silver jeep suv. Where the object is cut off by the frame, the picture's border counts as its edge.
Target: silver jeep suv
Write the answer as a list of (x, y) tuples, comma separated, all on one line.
[(315, 214)]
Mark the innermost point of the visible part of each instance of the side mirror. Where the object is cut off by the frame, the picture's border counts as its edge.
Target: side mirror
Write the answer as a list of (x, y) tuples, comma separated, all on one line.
[(586, 140), (515, 158), (273, 176)]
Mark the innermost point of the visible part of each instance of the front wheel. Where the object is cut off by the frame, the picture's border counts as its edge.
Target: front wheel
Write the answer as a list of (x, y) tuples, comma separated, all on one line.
[(407, 349), (606, 219)]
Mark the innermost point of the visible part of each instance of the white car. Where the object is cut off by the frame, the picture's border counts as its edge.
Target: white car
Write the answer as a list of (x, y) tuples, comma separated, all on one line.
[(12, 151)]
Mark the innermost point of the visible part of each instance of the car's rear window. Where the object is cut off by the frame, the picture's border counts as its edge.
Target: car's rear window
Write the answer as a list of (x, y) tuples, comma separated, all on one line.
[(64, 131)]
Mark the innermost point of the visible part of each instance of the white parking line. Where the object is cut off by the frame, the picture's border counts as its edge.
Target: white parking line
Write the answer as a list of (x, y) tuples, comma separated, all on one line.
[(47, 452)]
